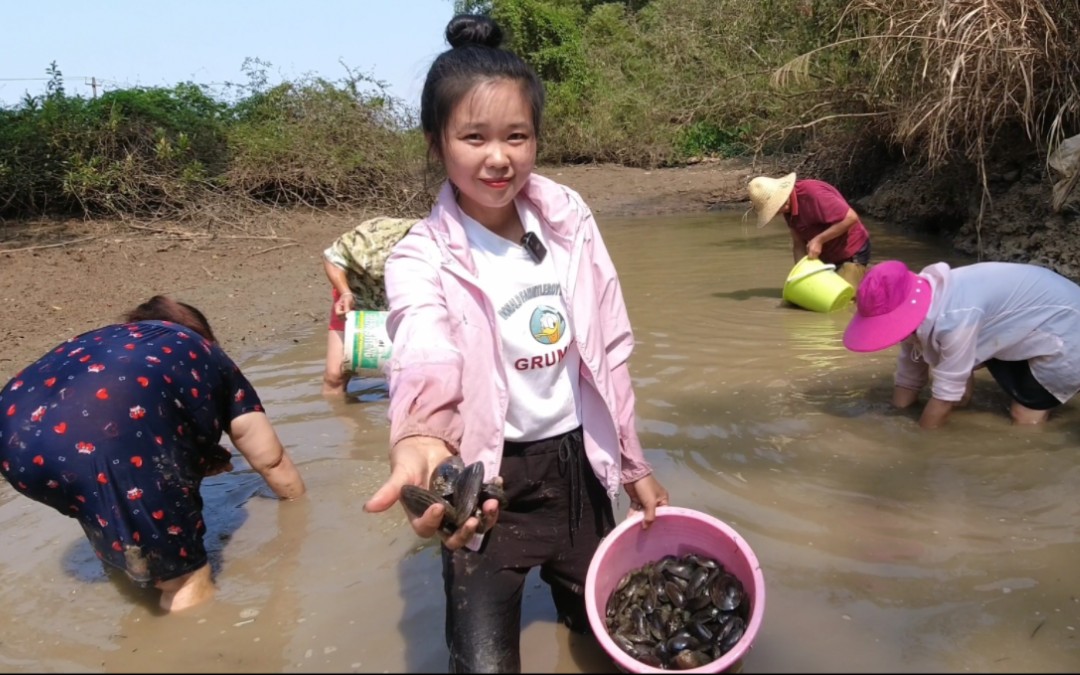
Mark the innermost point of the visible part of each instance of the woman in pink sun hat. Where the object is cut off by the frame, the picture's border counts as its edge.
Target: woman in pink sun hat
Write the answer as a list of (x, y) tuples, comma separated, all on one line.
[(1020, 321)]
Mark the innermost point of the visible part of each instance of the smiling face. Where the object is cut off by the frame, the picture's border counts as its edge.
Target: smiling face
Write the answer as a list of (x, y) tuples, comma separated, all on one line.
[(489, 150)]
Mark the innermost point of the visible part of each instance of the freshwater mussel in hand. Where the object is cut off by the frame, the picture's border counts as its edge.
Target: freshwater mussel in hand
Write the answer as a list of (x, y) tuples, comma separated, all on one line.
[(460, 489), (678, 612)]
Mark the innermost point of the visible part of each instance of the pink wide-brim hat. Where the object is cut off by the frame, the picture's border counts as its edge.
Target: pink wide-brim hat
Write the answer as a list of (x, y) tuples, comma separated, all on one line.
[(890, 304)]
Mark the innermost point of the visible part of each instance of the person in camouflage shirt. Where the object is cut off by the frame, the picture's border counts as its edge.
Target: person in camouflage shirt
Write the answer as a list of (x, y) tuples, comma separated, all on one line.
[(354, 266)]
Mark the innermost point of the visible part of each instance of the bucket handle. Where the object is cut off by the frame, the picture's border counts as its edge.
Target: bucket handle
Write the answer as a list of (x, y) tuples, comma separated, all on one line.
[(827, 267)]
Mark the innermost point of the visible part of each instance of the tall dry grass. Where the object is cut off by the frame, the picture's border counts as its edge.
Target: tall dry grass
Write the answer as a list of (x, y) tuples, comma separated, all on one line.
[(988, 64), (951, 75)]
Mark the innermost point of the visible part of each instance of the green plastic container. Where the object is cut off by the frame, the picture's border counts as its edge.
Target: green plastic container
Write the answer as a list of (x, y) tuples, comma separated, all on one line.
[(367, 346), (816, 286)]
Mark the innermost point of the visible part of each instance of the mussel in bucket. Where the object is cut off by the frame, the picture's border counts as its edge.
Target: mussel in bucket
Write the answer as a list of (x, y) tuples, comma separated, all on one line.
[(460, 489), (678, 613)]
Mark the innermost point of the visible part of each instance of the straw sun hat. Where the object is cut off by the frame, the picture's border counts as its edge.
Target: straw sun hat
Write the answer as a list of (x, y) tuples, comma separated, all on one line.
[(769, 194)]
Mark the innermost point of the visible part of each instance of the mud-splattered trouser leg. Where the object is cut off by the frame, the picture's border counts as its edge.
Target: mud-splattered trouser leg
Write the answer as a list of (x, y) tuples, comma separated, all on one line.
[(558, 512)]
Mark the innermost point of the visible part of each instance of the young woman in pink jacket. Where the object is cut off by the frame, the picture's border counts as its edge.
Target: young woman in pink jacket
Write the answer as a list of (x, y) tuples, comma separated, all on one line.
[(511, 342)]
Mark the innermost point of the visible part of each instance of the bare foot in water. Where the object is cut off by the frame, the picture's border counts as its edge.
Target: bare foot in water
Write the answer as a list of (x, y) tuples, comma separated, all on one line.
[(186, 591)]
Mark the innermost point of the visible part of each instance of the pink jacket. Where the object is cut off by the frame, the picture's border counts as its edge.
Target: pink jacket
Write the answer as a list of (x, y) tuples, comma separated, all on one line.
[(446, 373)]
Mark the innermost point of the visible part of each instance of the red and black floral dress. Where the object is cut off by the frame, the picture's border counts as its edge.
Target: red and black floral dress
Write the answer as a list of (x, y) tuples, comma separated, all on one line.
[(116, 428)]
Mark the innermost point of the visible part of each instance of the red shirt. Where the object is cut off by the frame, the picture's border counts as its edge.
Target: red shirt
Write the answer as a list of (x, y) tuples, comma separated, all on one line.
[(816, 206)]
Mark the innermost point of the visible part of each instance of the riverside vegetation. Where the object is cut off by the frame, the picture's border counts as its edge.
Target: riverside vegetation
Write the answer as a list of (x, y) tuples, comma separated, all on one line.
[(855, 85)]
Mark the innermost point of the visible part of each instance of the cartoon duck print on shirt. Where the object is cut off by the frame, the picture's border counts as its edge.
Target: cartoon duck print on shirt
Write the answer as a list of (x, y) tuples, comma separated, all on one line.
[(547, 325)]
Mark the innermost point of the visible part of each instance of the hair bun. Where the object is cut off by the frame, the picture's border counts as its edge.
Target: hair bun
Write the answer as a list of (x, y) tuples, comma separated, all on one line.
[(473, 29)]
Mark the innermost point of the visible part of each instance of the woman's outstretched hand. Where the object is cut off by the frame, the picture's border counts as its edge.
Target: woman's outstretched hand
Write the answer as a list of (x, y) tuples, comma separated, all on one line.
[(412, 460)]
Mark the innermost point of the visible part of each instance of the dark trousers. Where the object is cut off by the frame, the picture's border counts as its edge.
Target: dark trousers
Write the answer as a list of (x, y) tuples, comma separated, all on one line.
[(1016, 379), (557, 513)]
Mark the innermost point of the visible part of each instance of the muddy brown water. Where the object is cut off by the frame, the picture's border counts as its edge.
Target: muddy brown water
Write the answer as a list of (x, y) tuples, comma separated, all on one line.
[(883, 548)]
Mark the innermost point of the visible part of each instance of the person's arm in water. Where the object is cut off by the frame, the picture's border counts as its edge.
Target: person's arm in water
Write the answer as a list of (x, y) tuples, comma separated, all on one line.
[(255, 438), (953, 372), (935, 413), (813, 248), (798, 246), (903, 397), (339, 281)]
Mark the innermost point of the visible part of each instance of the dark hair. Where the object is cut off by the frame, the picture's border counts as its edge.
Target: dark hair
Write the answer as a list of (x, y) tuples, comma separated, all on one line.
[(474, 56), (163, 308)]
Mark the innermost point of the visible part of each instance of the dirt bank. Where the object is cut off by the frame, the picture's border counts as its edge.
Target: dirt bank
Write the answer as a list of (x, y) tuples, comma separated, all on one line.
[(260, 284), (1010, 220)]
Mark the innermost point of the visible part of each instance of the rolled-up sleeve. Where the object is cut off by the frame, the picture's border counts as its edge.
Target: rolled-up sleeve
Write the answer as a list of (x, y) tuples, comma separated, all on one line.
[(911, 373), (956, 359)]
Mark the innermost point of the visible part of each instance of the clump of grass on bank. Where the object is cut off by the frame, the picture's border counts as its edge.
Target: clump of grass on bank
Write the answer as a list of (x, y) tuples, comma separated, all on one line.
[(184, 153), (314, 142), (948, 78)]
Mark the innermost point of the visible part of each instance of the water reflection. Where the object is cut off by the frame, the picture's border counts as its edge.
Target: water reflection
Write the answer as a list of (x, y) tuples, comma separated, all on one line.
[(884, 548)]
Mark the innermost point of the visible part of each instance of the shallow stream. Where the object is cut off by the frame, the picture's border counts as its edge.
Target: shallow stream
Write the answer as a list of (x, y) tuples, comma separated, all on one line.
[(884, 548)]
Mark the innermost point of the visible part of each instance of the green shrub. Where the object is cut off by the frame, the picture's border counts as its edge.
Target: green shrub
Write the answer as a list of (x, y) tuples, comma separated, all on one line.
[(705, 138), (636, 82), (164, 151)]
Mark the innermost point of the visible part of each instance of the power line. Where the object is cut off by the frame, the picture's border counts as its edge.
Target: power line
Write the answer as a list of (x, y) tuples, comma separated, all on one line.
[(45, 79)]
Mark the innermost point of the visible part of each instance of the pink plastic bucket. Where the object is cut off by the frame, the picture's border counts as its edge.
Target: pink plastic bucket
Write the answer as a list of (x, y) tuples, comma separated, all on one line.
[(676, 531)]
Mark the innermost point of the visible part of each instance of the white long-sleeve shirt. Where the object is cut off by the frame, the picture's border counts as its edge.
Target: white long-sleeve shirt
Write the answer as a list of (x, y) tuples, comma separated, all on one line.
[(1007, 311)]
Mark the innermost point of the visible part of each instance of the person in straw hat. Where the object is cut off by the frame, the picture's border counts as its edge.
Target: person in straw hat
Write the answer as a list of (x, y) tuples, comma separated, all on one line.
[(822, 224), (1019, 321)]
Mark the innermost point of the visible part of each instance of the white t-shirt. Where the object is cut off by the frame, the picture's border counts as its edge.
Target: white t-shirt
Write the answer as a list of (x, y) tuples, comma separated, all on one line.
[(994, 310), (541, 358)]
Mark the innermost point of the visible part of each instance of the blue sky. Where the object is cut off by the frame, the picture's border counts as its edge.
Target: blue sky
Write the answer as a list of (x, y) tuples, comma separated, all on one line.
[(144, 43)]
